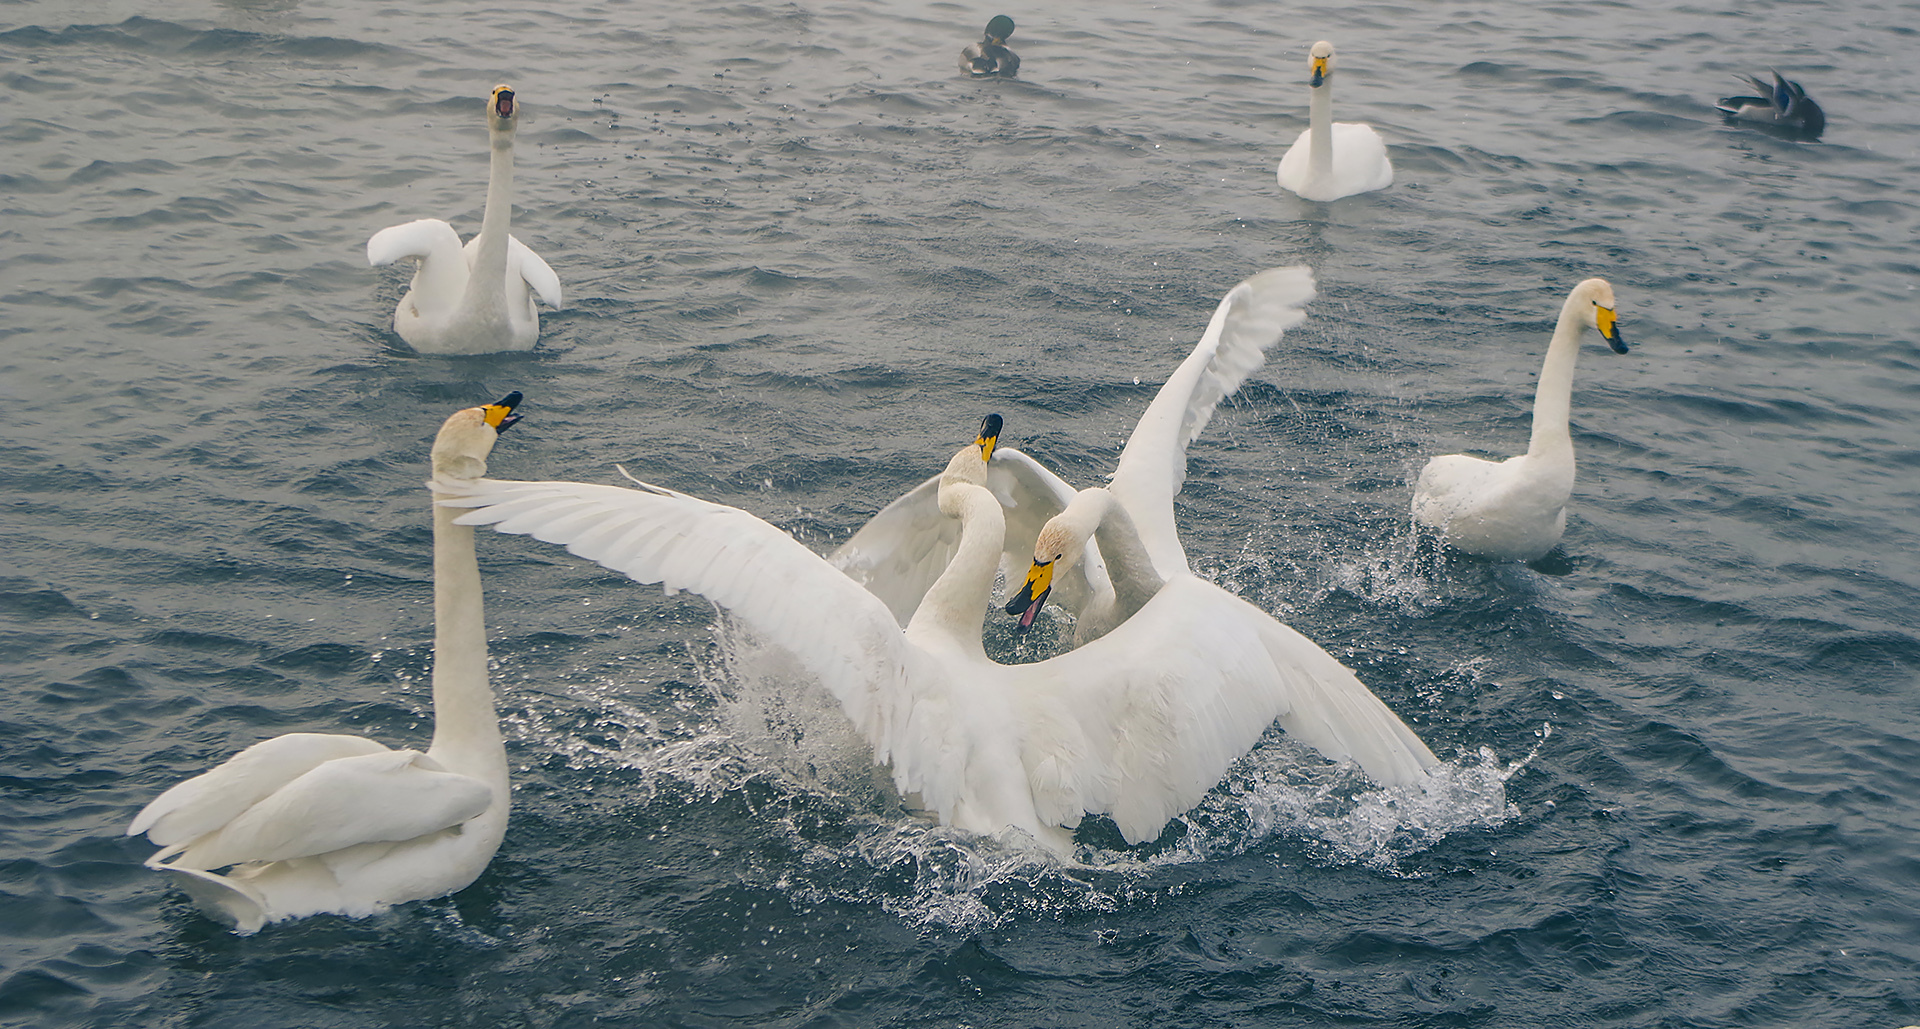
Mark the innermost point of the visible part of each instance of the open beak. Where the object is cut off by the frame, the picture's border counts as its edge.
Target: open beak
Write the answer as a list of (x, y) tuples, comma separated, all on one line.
[(1610, 329), (1033, 594), (503, 101), (499, 414), (1319, 72)]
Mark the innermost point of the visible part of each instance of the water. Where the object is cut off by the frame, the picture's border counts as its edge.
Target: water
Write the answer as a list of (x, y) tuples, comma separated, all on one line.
[(802, 258)]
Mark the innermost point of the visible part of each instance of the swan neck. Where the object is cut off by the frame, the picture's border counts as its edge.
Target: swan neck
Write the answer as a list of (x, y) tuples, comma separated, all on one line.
[(490, 256), (466, 731), (1129, 566), (1320, 131), (955, 605), (1553, 398)]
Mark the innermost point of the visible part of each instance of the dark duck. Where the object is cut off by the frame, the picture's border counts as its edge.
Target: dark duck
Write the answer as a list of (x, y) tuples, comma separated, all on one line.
[(1783, 107), (990, 56)]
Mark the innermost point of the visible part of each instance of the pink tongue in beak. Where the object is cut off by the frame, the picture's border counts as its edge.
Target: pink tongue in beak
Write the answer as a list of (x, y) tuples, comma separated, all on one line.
[(1027, 616), (506, 107)]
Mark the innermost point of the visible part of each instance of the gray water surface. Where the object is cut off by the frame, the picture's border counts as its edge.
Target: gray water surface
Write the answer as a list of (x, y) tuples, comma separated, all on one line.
[(802, 257)]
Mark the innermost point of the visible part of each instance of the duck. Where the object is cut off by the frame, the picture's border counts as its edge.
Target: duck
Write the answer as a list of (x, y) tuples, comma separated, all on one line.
[(310, 823), (990, 56), (1516, 509), (1783, 106), (1332, 159), (477, 299)]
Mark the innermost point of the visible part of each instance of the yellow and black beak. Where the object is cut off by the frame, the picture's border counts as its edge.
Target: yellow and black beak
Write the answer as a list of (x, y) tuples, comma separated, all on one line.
[(503, 101), (499, 414), (989, 436), (1609, 328), (1033, 594), (1320, 72)]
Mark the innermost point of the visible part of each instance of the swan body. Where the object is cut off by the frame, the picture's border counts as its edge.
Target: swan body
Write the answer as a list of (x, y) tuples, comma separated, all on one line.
[(1515, 510), (308, 822), (1783, 106), (476, 299), (1332, 159), (899, 553), (990, 56), (1135, 725)]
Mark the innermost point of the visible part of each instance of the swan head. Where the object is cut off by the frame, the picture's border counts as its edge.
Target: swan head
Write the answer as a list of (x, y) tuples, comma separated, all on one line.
[(467, 437), (1320, 63), (999, 30), (969, 466), (1060, 543), (503, 113), (1595, 298)]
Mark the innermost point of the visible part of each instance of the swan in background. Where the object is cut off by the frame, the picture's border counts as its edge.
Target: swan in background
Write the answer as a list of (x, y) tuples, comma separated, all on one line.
[(899, 553), (990, 56), (1332, 159), (477, 299), (308, 823), (1516, 509), (1137, 724), (1784, 106)]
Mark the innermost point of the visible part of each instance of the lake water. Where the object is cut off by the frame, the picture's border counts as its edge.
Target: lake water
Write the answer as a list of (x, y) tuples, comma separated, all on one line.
[(802, 256)]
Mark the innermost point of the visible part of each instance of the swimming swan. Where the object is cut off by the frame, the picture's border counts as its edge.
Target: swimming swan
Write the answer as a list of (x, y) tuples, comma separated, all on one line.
[(1516, 509), (898, 553), (1136, 725), (1784, 106), (476, 299), (313, 823), (1332, 160), (990, 56)]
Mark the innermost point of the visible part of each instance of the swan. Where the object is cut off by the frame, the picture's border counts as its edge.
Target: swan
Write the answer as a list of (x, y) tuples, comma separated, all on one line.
[(1783, 106), (1137, 724), (308, 822), (477, 299), (1516, 509), (898, 553), (990, 56), (1332, 159), (901, 550)]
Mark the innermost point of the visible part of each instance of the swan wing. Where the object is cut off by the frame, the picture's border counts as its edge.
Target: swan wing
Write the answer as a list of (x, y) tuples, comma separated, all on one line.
[(1142, 722), (843, 635), (899, 553), (210, 800), (528, 265), (369, 798), (1249, 321), (420, 239)]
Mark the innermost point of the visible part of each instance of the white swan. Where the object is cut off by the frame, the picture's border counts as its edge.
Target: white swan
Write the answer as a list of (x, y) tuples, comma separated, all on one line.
[(1137, 724), (477, 299), (899, 553), (1516, 509), (1332, 159), (313, 823)]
